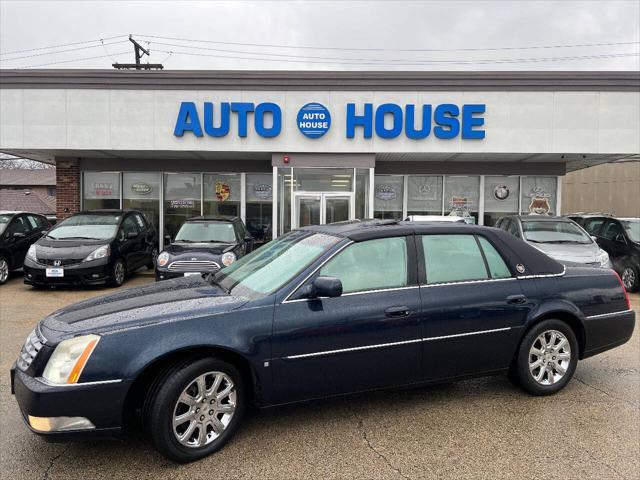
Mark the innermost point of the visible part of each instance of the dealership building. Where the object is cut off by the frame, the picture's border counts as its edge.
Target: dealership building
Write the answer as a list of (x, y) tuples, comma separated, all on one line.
[(284, 149)]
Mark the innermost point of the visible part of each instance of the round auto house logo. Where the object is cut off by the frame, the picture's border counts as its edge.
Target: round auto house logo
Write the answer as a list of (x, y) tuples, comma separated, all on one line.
[(314, 120)]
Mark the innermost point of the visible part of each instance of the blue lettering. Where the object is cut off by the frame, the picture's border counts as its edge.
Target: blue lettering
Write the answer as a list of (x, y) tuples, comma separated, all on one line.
[(410, 130), (276, 114), (469, 121), (396, 112), (243, 109), (223, 129), (188, 120), (365, 121), (446, 118)]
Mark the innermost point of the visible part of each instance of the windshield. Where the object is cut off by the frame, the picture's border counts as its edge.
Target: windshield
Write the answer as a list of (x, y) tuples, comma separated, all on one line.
[(268, 268), (198, 232), (4, 221), (86, 227), (554, 232), (631, 226)]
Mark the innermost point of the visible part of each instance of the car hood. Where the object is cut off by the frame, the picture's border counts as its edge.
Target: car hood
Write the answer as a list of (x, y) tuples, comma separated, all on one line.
[(202, 248), (161, 302), (47, 248), (570, 252)]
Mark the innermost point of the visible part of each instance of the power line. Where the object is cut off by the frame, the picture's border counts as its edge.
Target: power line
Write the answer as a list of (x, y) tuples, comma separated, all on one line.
[(63, 51), (371, 49), (74, 60), (426, 62), (60, 45)]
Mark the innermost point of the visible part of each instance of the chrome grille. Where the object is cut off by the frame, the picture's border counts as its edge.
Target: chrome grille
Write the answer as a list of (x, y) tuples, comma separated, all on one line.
[(32, 345), (194, 266)]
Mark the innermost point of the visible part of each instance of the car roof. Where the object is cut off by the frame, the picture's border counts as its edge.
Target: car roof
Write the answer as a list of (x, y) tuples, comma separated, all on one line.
[(540, 218), (16, 212), (106, 211), (212, 218)]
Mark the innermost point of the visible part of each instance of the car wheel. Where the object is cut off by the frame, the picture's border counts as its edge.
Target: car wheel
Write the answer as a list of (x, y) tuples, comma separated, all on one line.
[(118, 273), (547, 358), (4, 270), (195, 408), (154, 257), (630, 278)]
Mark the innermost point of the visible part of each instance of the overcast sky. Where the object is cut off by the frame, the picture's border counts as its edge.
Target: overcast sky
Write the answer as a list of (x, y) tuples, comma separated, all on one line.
[(382, 35)]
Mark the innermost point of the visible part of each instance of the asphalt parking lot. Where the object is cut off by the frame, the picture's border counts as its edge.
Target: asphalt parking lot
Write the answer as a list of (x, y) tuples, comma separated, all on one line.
[(476, 429)]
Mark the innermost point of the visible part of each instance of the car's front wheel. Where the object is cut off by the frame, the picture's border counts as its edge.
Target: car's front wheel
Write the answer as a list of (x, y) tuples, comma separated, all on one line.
[(118, 273), (193, 410), (547, 357), (4, 270), (630, 278)]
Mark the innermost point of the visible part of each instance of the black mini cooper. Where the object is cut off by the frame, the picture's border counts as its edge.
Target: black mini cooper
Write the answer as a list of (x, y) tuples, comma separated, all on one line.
[(92, 248), (203, 245)]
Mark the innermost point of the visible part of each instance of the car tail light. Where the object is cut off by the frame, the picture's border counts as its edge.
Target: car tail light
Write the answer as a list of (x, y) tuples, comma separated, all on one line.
[(626, 294)]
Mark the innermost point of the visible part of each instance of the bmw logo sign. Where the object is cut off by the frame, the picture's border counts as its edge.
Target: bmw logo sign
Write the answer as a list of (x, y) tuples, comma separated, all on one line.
[(501, 192), (314, 120)]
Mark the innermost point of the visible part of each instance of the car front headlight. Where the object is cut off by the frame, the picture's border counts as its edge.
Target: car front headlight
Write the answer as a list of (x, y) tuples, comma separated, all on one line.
[(100, 252), (69, 358), (603, 259), (31, 253), (163, 258), (228, 258)]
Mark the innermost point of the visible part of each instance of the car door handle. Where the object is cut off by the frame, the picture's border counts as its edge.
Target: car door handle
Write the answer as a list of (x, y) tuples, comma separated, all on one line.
[(395, 312), (516, 299)]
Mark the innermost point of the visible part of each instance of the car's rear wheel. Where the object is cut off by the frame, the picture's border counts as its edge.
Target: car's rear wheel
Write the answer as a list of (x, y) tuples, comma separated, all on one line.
[(118, 273), (154, 257), (195, 409), (547, 357), (4, 270), (630, 278)]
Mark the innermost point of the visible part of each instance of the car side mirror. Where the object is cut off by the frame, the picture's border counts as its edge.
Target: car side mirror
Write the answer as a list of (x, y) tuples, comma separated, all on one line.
[(594, 238), (324, 287)]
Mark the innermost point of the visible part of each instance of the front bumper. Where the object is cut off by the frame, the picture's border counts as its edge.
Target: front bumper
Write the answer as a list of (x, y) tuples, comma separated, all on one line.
[(99, 402), (87, 273)]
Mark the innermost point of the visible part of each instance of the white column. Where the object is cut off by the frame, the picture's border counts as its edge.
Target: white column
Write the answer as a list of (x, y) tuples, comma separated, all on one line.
[(405, 195), (372, 180), (559, 196), (243, 197), (161, 222), (481, 202), (274, 204)]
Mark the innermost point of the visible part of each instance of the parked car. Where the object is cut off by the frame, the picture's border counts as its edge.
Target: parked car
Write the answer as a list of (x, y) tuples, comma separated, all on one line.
[(92, 248), (204, 245), (620, 238), (559, 237), (435, 218), (321, 311), (18, 231)]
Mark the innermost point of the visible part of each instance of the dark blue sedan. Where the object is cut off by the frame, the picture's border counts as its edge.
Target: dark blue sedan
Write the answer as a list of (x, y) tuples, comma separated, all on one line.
[(321, 311)]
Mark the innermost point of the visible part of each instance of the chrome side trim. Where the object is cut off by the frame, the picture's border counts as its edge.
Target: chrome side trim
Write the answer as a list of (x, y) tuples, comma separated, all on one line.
[(431, 339), (392, 344), (83, 384), (286, 300), (612, 314), (549, 275), (393, 289), (353, 349), (442, 284)]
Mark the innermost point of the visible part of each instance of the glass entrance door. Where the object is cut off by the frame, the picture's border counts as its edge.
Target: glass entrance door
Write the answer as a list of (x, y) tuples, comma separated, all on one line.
[(321, 208)]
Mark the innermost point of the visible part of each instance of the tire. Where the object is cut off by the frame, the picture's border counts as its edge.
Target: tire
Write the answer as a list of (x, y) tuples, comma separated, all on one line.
[(211, 427), (5, 270), (630, 278), (540, 380), (154, 255), (118, 273)]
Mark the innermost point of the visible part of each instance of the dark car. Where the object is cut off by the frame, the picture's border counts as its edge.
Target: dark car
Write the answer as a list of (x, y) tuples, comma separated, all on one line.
[(92, 248), (620, 238), (18, 231), (321, 311), (204, 245)]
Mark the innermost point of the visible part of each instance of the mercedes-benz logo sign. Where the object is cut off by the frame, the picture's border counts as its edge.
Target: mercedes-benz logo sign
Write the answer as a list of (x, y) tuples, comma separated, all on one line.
[(57, 263)]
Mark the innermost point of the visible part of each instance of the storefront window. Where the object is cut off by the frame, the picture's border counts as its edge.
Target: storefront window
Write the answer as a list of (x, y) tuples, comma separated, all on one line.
[(322, 179), (259, 197), (539, 195), (461, 197), (424, 195), (222, 194), (501, 196), (362, 193), (141, 191), (181, 200), (388, 193), (101, 190)]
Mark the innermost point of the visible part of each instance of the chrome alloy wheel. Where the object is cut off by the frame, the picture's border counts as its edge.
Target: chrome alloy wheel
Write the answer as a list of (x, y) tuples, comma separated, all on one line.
[(118, 273), (4, 270), (204, 409), (549, 357), (628, 278)]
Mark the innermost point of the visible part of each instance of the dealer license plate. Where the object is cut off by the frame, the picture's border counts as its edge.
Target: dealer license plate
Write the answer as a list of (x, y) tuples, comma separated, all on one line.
[(55, 272), (189, 274)]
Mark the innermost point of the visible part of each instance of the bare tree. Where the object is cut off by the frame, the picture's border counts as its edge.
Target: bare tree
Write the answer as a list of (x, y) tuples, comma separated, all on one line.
[(9, 162)]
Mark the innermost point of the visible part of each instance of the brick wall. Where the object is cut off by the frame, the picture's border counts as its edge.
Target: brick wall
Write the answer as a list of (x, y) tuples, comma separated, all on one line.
[(67, 188)]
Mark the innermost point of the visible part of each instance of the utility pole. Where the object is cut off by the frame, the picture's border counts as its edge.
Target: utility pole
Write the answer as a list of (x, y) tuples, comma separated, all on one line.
[(139, 50)]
